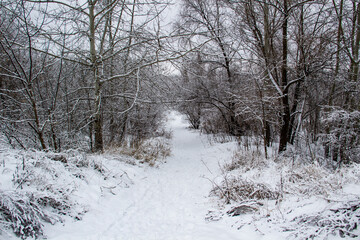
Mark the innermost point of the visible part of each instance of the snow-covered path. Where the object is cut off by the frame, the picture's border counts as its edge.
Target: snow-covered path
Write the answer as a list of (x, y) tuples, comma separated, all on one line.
[(169, 202)]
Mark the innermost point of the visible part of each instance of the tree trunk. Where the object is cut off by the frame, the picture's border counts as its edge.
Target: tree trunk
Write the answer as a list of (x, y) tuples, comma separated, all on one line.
[(355, 56), (284, 132), (292, 128), (98, 145), (37, 128), (338, 48)]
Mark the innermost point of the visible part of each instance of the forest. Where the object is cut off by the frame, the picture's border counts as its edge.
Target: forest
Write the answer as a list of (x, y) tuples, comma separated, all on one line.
[(281, 76), (91, 74)]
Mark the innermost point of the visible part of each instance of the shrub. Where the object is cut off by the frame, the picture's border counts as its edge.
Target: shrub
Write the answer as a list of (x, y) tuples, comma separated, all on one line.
[(341, 220), (237, 189), (342, 137), (23, 213), (246, 160), (149, 151)]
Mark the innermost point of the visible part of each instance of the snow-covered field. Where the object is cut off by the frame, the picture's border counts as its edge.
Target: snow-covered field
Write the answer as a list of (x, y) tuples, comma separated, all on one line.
[(117, 197)]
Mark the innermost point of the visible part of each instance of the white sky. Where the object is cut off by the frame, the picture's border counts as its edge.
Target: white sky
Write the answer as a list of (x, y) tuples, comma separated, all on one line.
[(171, 13)]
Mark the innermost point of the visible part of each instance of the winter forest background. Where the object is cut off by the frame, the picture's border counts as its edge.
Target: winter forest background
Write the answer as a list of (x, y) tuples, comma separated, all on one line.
[(94, 75), (88, 73)]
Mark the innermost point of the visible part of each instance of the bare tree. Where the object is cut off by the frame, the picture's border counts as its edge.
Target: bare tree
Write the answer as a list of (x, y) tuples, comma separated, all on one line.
[(112, 30), (22, 74), (207, 22)]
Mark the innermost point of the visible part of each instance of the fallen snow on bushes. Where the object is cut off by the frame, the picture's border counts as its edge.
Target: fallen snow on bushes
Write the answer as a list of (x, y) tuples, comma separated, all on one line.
[(199, 192), (279, 198), (39, 189)]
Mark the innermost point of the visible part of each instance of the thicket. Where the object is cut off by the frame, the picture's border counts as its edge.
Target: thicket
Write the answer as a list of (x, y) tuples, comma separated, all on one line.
[(80, 76), (285, 72)]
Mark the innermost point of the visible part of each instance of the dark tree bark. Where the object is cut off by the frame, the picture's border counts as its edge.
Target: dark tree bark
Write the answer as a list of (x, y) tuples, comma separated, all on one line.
[(285, 123)]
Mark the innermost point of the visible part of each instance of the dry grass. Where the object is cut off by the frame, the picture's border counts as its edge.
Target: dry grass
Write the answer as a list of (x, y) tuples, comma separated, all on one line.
[(148, 151), (310, 180), (239, 190), (246, 160)]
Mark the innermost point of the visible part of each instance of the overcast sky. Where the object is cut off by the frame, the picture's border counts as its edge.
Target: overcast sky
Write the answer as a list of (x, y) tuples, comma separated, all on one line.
[(171, 13)]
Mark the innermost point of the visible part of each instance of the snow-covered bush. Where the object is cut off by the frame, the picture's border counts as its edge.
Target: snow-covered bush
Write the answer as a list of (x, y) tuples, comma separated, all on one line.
[(215, 138), (24, 212), (341, 221), (342, 137), (309, 179), (40, 188), (238, 190), (37, 188), (299, 199), (149, 150), (246, 160)]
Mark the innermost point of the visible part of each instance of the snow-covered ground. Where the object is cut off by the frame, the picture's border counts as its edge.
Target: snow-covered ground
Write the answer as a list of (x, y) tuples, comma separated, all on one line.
[(119, 198), (167, 202)]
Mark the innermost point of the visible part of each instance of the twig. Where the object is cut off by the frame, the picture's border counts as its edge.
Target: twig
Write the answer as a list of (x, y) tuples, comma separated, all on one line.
[(206, 166), (218, 187)]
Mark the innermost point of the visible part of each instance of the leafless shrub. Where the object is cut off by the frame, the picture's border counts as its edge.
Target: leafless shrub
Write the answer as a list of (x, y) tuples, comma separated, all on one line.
[(213, 124), (162, 132)]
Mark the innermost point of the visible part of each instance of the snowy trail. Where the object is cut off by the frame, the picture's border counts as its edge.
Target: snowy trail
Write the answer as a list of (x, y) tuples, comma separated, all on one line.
[(165, 203)]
